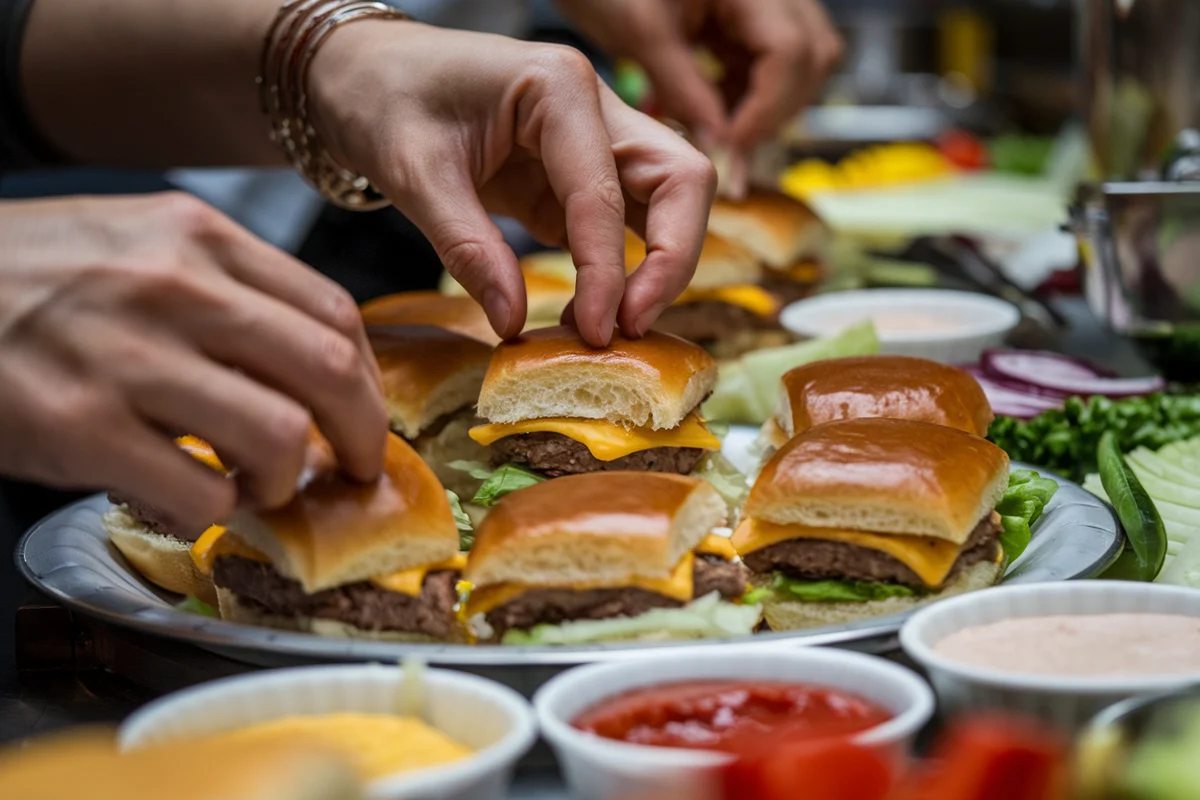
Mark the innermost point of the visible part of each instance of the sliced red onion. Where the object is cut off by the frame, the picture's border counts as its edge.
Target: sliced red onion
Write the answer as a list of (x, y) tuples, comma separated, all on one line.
[(1010, 399), (1052, 373)]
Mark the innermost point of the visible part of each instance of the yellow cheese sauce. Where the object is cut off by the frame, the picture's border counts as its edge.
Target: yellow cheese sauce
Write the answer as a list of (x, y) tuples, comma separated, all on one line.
[(379, 745)]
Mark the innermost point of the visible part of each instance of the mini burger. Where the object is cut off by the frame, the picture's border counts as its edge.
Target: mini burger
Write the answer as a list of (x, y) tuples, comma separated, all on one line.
[(865, 517), (156, 548), (431, 380), (616, 555), (549, 286), (557, 406), (785, 236), (896, 387), (459, 314), (377, 561)]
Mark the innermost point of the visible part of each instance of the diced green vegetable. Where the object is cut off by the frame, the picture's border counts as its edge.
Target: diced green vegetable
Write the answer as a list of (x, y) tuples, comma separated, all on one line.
[(505, 480), (194, 605), (1145, 536), (1027, 496)]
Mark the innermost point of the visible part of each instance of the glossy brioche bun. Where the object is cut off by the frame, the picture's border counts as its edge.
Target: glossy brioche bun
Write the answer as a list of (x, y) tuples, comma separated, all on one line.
[(654, 381), (337, 531), (600, 526), (897, 387), (163, 560), (234, 610), (87, 764), (427, 372), (549, 286), (721, 263), (460, 313), (788, 615), (777, 229), (882, 476)]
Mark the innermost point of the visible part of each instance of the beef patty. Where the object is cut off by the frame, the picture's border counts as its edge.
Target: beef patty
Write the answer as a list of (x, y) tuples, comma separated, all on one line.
[(786, 290), (554, 455), (812, 559), (554, 606), (709, 321), (363, 605), (155, 520)]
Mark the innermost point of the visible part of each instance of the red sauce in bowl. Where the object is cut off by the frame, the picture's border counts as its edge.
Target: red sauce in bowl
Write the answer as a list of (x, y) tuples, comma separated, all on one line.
[(720, 715)]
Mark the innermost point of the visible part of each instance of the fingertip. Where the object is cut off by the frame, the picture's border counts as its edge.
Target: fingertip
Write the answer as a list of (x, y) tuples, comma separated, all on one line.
[(499, 309)]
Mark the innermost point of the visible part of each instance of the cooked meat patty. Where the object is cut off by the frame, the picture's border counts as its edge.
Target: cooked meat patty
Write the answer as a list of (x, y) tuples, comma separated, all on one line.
[(554, 455), (786, 290), (709, 320), (154, 520), (363, 605), (812, 559), (554, 606)]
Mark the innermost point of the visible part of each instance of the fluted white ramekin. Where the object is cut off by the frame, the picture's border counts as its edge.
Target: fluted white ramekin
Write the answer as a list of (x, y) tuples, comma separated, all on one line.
[(495, 722), (1066, 702)]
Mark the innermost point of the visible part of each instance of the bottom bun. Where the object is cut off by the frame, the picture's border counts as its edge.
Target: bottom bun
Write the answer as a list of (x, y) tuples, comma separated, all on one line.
[(234, 610), (790, 615), (161, 559)]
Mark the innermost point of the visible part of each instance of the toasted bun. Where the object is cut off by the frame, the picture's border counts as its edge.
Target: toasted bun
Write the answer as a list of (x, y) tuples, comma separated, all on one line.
[(654, 381), (882, 476), (896, 387), (336, 531), (460, 314), (600, 526), (549, 286), (777, 229), (427, 372), (163, 560), (88, 764), (722, 263), (792, 615), (234, 610)]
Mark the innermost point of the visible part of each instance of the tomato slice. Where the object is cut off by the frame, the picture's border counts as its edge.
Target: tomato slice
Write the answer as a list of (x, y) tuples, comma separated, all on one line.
[(963, 150)]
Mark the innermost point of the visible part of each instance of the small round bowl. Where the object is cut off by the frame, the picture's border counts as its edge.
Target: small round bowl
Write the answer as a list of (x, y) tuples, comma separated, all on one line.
[(967, 323), (596, 768), (1066, 702), (492, 720)]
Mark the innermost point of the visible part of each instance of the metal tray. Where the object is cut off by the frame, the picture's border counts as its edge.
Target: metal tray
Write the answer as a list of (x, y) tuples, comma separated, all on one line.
[(68, 556)]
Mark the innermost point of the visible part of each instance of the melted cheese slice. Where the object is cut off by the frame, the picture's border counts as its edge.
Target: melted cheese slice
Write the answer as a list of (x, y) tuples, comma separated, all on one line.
[(201, 451), (804, 272), (677, 586), (754, 299), (715, 545), (931, 559), (605, 440), (410, 581)]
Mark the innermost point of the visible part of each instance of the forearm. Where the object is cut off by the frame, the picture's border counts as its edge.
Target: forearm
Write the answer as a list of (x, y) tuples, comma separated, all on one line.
[(149, 83)]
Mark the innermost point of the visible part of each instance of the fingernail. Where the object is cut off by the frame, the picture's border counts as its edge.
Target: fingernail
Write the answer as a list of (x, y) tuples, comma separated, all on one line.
[(607, 324), (647, 318), (498, 309)]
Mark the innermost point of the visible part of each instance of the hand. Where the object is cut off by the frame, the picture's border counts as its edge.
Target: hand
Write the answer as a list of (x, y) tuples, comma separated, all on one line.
[(775, 55), (125, 321), (452, 126)]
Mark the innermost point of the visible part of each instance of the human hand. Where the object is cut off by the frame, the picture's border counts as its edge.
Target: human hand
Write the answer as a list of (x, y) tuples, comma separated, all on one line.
[(775, 55), (453, 125), (126, 320)]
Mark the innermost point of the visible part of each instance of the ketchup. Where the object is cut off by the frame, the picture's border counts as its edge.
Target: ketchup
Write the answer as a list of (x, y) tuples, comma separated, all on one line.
[(721, 715)]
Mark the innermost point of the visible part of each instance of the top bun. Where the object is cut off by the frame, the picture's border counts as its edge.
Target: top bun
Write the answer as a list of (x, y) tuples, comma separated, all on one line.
[(777, 229), (427, 372), (896, 387), (337, 531), (882, 476), (654, 381), (460, 313), (549, 286), (722, 263), (603, 526)]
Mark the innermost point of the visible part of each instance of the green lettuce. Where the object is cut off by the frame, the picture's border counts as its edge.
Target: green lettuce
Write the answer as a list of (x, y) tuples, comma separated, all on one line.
[(194, 605), (505, 480), (1026, 498), (783, 588), (724, 477), (706, 618), (466, 531)]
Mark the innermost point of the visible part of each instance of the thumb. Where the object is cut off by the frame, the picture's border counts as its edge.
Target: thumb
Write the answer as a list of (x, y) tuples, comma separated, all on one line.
[(682, 90), (471, 247)]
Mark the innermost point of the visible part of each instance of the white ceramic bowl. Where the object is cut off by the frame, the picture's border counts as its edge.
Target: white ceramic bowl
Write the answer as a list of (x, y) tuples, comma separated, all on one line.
[(493, 720), (974, 322), (1065, 702), (602, 769)]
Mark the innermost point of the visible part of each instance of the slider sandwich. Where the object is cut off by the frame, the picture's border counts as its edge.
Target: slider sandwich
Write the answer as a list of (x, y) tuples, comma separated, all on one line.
[(377, 561), (558, 406), (549, 286), (786, 237), (865, 517), (896, 387), (460, 314), (616, 555), (431, 380), (156, 548)]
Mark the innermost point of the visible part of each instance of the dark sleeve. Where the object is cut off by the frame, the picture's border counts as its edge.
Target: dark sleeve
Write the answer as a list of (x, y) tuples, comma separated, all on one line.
[(21, 147)]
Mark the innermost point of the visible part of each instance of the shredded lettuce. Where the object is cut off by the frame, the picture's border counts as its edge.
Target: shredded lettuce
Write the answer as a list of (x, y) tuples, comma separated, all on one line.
[(725, 478), (718, 429), (476, 469), (194, 605), (1026, 498), (706, 618), (784, 588), (505, 480), (466, 531)]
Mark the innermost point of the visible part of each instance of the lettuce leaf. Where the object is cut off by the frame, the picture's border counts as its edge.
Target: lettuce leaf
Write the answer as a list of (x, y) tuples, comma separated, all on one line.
[(784, 588), (725, 478), (194, 605), (505, 480), (1026, 498), (476, 469), (466, 531), (708, 617)]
